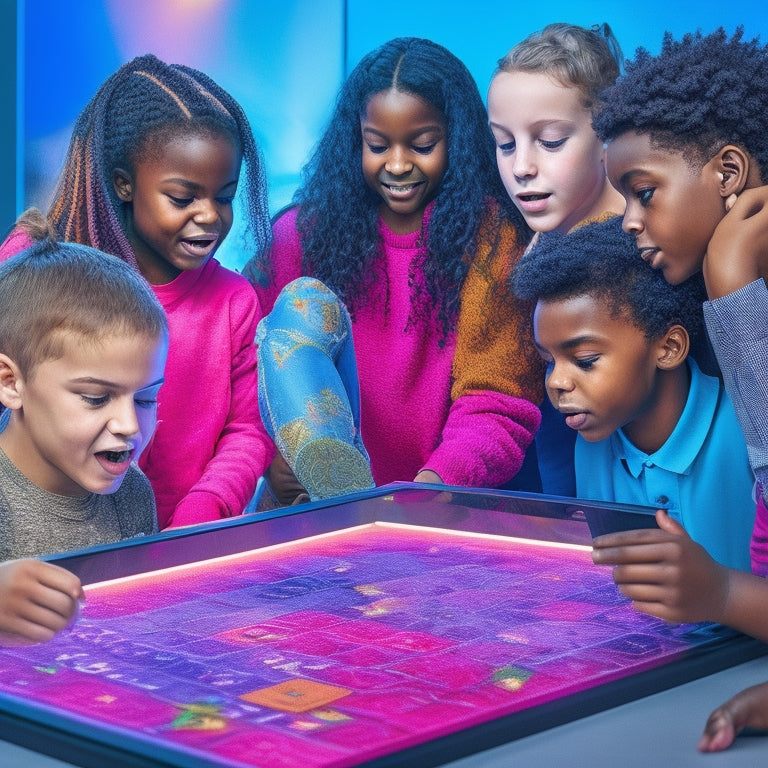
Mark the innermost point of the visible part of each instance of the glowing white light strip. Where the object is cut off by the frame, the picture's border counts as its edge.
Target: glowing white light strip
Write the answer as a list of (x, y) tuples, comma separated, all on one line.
[(317, 537)]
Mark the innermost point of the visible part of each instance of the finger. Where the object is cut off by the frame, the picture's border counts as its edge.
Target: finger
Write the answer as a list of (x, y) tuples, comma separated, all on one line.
[(626, 538), (667, 524), (747, 709), (55, 612), (20, 630), (58, 579), (719, 732), (651, 552)]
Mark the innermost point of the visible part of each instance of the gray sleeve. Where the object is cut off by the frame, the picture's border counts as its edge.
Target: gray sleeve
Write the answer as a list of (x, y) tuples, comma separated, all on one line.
[(737, 325)]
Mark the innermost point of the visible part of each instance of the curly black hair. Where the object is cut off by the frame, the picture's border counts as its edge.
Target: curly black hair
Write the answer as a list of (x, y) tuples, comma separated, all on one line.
[(699, 94), (338, 215), (602, 261)]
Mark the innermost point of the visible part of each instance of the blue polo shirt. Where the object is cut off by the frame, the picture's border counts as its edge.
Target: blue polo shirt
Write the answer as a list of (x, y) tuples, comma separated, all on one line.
[(701, 475)]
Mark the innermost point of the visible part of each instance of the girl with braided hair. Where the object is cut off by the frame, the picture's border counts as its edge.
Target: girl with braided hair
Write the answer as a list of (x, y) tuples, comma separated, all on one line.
[(400, 201), (151, 173)]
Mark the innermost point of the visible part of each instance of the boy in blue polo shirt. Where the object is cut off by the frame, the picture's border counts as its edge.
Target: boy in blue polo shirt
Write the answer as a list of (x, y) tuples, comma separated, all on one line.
[(652, 428)]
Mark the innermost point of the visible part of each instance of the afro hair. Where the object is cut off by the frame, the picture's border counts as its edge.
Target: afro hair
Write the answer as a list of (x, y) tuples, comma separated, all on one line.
[(698, 95), (602, 261)]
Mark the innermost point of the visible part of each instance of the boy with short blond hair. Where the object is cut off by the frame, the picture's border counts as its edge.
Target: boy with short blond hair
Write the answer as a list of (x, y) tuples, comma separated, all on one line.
[(83, 343)]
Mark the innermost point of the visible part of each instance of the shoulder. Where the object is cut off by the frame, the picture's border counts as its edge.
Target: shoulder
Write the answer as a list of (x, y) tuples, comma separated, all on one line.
[(135, 484), (136, 500), (500, 234), (223, 286), (284, 221)]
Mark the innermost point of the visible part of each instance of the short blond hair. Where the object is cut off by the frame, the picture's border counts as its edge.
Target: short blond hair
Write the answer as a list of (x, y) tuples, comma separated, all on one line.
[(52, 289)]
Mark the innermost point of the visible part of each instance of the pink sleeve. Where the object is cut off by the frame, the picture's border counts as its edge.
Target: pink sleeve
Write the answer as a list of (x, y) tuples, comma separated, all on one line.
[(484, 439), (16, 242), (759, 545), (244, 450)]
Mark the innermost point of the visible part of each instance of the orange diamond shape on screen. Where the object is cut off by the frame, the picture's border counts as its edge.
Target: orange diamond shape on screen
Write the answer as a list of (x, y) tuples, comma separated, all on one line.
[(297, 695)]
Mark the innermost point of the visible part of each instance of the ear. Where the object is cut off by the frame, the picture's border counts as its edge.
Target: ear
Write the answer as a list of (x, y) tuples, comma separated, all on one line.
[(123, 184), (673, 348), (732, 165), (11, 383)]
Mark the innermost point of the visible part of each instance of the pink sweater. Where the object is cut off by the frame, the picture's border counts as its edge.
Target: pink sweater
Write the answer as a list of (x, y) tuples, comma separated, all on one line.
[(210, 447), (408, 420)]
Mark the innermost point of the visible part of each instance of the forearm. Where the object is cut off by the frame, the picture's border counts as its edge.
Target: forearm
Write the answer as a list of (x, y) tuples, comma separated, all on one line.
[(484, 439), (746, 605)]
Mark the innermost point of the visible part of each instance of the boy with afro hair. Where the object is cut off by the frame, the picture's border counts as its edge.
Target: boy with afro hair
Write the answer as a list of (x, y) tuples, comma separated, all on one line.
[(687, 135), (652, 428)]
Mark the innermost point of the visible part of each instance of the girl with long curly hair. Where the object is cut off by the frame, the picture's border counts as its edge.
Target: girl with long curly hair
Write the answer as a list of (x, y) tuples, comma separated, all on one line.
[(400, 201)]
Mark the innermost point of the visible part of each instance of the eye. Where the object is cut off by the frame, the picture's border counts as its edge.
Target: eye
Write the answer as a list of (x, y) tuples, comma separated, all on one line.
[(180, 202), (95, 401), (586, 363), (645, 195), (552, 145), (146, 403), (425, 150), (506, 147), (225, 199), (377, 149)]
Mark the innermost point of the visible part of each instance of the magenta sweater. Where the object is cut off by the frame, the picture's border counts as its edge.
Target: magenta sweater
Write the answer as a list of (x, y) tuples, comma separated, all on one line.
[(210, 447), (408, 420)]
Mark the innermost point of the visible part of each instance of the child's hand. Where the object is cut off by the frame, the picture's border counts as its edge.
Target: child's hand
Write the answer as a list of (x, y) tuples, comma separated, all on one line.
[(37, 600), (665, 572), (748, 709), (284, 484), (737, 253), (428, 476)]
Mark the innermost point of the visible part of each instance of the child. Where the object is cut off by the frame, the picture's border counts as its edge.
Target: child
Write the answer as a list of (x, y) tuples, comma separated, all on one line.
[(401, 200), (540, 105), (150, 176), (652, 429), (690, 156), (82, 349)]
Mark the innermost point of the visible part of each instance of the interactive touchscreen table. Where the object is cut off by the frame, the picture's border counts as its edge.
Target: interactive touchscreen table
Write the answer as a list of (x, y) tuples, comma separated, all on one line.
[(404, 625)]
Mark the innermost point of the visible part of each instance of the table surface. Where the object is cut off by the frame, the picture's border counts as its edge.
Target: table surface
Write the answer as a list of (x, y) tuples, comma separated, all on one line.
[(659, 730)]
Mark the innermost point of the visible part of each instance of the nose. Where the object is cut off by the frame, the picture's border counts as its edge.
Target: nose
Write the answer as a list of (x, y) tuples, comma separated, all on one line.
[(557, 381), (398, 162), (206, 212), (523, 165), (123, 421), (632, 223)]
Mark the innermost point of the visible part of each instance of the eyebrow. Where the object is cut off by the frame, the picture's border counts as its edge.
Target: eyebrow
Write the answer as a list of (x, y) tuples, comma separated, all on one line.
[(418, 132), (192, 186), (629, 175), (574, 342), (112, 384)]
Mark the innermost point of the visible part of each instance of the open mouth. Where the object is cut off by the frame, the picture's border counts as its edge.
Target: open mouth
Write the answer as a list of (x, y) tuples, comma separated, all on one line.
[(533, 198), (401, 190), (198, 247), (116, 457), (575, 419)]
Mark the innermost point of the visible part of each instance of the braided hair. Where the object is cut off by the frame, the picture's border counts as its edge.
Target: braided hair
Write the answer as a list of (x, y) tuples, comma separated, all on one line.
[(698, 95), (143, 104), (338, 215)]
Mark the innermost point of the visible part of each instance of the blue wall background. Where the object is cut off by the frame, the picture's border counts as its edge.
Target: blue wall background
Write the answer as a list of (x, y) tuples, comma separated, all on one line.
[(282, 59)]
